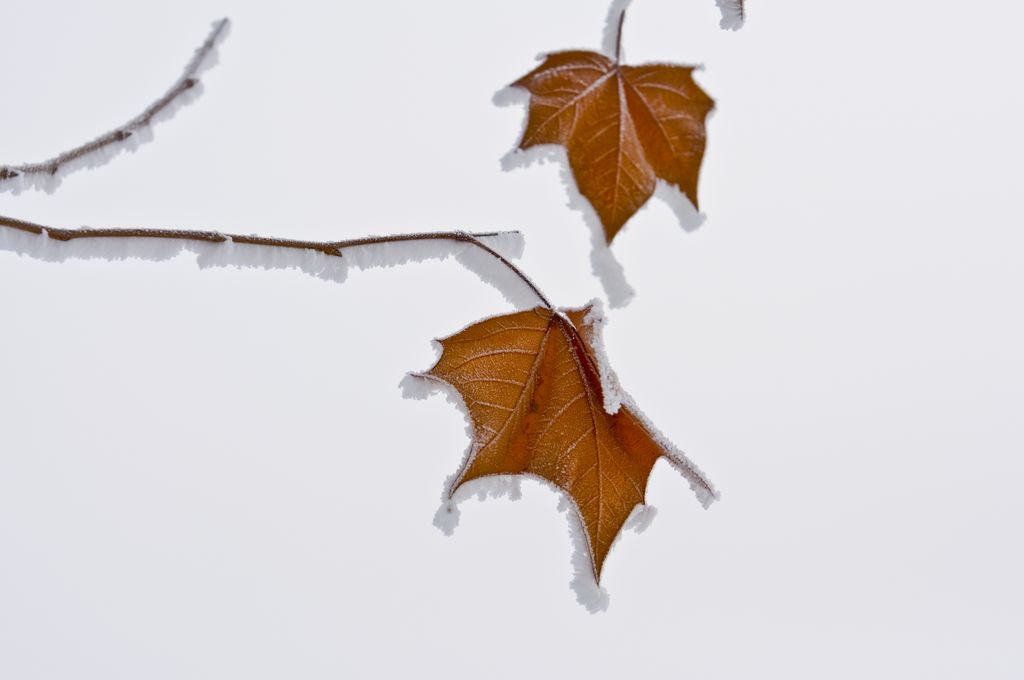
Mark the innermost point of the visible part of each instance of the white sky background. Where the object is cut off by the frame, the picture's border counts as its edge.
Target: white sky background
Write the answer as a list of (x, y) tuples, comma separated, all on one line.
[(212, 474)]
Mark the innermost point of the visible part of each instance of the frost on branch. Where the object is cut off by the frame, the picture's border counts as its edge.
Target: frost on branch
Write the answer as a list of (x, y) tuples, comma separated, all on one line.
[(327, 261), (48, 175), (734, 13)]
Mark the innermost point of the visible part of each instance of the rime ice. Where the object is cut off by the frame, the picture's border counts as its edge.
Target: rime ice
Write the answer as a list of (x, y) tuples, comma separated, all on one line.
[(308, 261), (733, 14)]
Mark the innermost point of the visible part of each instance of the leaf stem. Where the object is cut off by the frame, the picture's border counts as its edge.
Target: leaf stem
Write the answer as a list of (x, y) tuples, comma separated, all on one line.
[(618, 36), (330, 248)]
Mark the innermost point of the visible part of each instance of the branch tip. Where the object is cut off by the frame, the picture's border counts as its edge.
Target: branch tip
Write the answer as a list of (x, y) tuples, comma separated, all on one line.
[(188, 80)]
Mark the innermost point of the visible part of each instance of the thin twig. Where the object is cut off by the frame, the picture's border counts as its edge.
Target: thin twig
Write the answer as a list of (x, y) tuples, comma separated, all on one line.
[(331, 248), (618, 36), (188, 80)]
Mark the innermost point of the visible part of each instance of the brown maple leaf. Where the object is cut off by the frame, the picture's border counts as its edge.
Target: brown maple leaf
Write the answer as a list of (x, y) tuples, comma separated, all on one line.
[(622, 126), (539, 405)]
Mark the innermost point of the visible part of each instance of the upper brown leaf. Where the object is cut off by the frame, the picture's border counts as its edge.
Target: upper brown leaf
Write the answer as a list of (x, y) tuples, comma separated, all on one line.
[(623, 127), (532, 385)]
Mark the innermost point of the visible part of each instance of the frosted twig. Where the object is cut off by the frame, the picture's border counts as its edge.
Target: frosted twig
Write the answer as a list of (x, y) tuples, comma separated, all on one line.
[(94, 152), (331, 248), (741, 8), (734, 13)]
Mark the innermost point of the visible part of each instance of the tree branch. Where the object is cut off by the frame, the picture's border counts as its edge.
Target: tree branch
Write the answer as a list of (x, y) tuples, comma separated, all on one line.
[(330, 248), (187, 83)]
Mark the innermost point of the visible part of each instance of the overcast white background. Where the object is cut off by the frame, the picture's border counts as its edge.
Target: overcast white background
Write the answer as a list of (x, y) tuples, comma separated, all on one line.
[(212, 474)]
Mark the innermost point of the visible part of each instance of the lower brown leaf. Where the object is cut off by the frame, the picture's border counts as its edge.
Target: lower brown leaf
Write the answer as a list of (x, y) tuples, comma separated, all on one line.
[(532, 384)]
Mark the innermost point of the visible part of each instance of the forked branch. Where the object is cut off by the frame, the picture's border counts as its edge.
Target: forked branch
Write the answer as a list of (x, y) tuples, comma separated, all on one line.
[(330, 248), (185, 84)]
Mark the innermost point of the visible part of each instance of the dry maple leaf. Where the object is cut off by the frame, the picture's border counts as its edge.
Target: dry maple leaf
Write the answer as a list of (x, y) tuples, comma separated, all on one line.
[(622, 126), (533, 385)]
